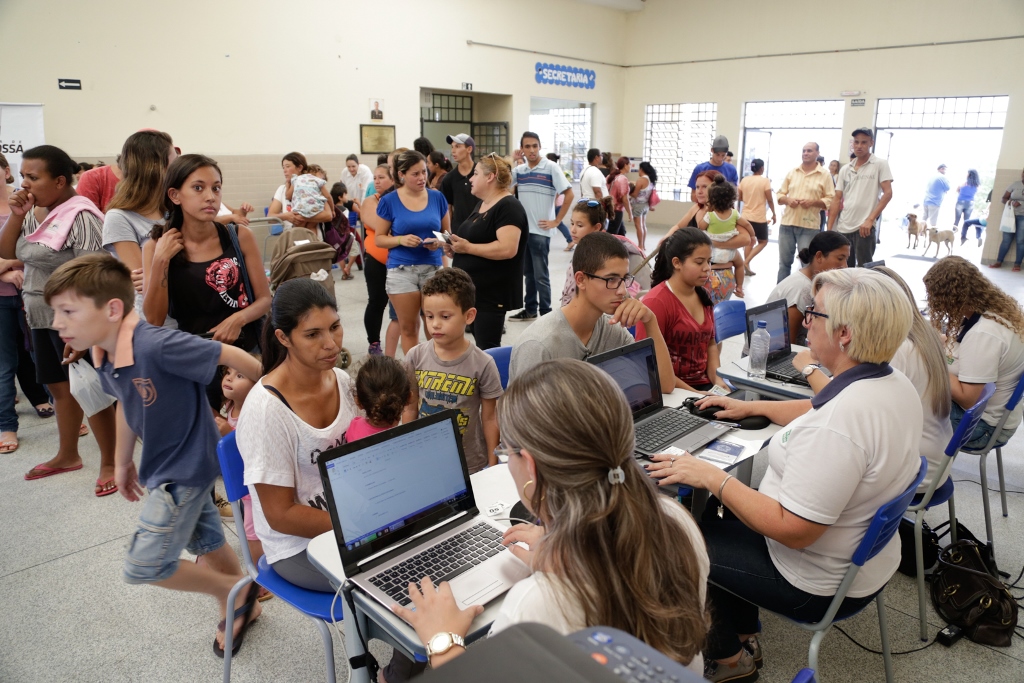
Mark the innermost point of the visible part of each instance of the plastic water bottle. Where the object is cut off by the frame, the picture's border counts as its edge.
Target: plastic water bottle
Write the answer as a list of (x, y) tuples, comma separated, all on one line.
[(760, 342)]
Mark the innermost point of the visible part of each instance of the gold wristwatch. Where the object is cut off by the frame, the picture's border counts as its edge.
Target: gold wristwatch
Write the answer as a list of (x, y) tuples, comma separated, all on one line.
[(442, 642)]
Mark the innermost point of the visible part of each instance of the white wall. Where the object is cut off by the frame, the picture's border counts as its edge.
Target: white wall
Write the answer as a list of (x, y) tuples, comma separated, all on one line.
[(234, 77)]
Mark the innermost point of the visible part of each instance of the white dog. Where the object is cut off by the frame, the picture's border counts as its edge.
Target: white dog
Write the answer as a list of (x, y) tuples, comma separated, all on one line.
[(936, 236)]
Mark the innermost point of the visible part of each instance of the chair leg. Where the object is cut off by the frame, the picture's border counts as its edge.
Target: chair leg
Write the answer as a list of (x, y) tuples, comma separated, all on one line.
[(1002, 481), (952, 519), (883, 629), (985, 503), (229, 631), (812, 651), (919, 557), (325, 635)]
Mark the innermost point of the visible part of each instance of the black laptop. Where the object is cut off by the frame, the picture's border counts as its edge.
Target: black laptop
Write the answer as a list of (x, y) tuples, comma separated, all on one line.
[(780, 353)]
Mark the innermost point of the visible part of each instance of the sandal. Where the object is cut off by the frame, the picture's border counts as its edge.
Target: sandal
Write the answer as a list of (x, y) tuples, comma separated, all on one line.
[(49, 471), (83, 430), (1016, 269), (570, 247), (102, 485), (245, 610), (347, 276), (45, 412), (9, 446)]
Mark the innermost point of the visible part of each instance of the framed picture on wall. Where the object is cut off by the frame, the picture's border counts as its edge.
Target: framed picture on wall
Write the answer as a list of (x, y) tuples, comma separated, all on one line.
[(376, 139), (376, 109)]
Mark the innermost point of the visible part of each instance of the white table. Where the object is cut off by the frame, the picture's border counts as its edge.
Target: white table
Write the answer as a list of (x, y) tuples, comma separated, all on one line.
[(736, 373), (490, 486)]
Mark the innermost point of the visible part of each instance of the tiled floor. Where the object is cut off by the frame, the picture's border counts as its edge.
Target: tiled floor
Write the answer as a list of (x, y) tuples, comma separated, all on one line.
[(67, 616)]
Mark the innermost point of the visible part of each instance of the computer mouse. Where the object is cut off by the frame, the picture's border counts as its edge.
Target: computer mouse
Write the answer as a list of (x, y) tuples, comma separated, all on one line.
[(711, 413)]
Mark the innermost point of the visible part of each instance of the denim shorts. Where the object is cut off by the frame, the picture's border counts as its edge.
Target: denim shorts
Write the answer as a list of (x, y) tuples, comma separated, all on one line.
[(982, 432), (174, 517), (408, 279)]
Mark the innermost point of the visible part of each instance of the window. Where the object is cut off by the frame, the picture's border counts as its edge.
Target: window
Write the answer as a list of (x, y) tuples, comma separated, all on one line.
[(449, 108), (572, 138), (803, 115), (942, 112), (490, 137), (677, 137)]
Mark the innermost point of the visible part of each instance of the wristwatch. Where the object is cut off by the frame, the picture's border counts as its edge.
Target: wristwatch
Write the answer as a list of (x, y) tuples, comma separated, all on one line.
[(442, 642), (806, 372)]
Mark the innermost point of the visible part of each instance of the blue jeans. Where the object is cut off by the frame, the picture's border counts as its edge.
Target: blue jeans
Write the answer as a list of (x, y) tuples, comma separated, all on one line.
[(1008, 239), (982, 432), (962, 209), (791, 240), (10, 311), (565, 232), (535, 270), (978, 227), (744, 577)]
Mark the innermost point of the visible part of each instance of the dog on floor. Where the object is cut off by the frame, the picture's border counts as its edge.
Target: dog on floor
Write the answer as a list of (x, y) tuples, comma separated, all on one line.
[(916, 228), (937, 237)]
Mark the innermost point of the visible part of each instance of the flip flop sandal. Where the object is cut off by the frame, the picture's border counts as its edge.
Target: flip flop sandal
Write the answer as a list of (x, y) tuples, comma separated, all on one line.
[(105, 491), (347, 277), (264, 595), (83, 430), (245, 610), (45, 412), (4, 450), (49, 471)]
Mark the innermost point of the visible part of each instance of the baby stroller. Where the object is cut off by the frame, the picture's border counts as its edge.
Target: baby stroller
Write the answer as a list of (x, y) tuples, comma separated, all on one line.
[(340, 234)]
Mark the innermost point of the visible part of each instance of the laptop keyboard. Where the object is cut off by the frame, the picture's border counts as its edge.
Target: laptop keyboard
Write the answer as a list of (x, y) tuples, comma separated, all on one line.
[(441, 562), (783, 369), (660, 430)]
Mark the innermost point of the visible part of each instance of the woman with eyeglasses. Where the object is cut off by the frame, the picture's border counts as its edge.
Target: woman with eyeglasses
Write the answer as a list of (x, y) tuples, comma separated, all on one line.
[(610, 551), (787, 545), (490, 246), (684, 311)]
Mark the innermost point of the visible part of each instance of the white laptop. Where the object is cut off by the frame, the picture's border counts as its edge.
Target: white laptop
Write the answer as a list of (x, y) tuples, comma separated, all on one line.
[(403, 508)]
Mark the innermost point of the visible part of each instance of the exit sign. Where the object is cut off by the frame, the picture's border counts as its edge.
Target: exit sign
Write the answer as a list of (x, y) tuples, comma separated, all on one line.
[(857, 102), (467, 86)]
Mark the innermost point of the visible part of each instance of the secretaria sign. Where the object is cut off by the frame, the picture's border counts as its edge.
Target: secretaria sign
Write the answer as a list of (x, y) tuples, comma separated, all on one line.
[(570, 76)]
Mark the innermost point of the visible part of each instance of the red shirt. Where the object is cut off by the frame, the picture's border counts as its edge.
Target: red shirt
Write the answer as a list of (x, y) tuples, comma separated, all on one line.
[(687, 340), (98, 184)]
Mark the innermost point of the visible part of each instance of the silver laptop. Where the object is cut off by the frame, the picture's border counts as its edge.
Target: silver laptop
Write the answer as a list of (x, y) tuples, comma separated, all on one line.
[(634, 368), (403, 508)]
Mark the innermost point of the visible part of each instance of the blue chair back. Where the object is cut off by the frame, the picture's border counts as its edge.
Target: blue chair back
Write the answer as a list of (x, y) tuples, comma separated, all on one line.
[(887, 520), (502, 356), (1016, 395), (232, 468), (970, 420), (730, 319)]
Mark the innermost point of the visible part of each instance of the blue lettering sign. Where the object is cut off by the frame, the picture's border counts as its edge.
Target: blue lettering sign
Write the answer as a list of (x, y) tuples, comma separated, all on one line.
[(570, 76)]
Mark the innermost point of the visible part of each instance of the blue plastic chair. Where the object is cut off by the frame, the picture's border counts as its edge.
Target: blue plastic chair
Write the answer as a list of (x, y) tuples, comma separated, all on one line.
[(502, 356), (883, 527), (804, 676), (937, 495), (1015, 398), (314, 604), (730, 319)]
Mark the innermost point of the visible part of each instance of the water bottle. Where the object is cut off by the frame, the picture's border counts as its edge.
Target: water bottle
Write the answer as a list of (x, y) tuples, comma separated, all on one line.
[(760, 342)]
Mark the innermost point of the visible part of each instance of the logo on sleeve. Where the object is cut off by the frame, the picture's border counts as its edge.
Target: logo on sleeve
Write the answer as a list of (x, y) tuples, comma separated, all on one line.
[(146, 390)]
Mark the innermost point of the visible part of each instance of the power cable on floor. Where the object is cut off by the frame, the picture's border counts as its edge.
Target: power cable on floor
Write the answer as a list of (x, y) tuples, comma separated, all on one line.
[(879, 652), (978, 483)]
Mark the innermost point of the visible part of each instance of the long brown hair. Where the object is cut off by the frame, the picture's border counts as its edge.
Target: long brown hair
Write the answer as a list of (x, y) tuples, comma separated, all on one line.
[(956, 289), (612, 548), (143, 162)]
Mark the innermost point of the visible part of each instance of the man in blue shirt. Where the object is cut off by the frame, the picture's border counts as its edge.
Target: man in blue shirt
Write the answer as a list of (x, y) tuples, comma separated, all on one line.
[(719, 150), (936, 190)]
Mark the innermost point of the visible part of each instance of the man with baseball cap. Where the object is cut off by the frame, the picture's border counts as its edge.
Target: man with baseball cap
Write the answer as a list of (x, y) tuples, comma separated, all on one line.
[(719, 150), (455, 185)]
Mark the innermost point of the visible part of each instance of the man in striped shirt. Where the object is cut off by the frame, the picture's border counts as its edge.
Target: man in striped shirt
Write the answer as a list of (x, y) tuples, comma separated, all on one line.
[(539, 182), (806, 191)]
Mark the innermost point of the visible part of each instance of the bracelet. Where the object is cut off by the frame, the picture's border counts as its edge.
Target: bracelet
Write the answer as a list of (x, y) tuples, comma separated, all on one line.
[(722, 487)]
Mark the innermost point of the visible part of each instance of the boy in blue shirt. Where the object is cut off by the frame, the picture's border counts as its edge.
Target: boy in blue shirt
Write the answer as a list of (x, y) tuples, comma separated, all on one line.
[(159, 377)]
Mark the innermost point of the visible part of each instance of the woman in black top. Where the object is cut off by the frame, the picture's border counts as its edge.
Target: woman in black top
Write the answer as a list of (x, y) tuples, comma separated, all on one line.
[(192, 268), (490, 245)]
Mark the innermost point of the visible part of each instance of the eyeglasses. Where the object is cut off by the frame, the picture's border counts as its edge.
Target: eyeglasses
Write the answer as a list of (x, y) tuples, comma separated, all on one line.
[(810, 314), (614, 282), (505, 450), (588, 202)]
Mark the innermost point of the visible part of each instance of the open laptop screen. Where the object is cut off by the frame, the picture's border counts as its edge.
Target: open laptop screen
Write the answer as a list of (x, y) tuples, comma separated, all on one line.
[(774, 313), (635, 370), (384, 485)]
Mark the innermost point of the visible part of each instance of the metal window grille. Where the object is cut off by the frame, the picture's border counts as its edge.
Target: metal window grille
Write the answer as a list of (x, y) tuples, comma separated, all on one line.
[(677, 137), (978, 113), (449, 108), (490, 137), (803, 114), (572, 138)]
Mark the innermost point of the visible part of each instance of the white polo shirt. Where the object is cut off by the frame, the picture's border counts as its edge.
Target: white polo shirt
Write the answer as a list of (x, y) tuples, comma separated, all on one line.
[(937, 428), (860, 188), (855, 450), (991, 352)]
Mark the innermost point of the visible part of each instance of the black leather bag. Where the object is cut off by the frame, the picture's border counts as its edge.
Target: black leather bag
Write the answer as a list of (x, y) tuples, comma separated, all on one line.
[(966, 594), (930, 547)]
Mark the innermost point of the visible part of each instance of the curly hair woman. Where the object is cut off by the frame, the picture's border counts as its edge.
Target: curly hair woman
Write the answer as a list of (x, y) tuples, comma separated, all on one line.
[(984, 328)]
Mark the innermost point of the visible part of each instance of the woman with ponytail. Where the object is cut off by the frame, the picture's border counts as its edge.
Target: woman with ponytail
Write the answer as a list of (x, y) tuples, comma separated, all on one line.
[(302, 406), (611, 550), (193, 265), (683, 308)]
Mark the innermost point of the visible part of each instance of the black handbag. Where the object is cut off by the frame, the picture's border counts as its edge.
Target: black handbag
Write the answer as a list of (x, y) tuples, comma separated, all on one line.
[(966, 594), (250, 337), (930, 547)]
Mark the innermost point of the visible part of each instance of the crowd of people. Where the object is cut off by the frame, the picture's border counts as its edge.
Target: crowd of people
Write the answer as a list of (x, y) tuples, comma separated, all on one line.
[(148, 276)]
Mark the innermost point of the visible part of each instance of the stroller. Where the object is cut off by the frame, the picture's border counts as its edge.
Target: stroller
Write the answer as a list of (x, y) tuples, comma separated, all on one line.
[(340, 234)]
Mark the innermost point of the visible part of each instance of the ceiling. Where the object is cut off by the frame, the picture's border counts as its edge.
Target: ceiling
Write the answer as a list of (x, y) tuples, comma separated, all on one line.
[(621, 5)]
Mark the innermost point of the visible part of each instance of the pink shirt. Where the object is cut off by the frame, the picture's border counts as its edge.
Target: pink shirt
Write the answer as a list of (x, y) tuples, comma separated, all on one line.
[(360, 427)]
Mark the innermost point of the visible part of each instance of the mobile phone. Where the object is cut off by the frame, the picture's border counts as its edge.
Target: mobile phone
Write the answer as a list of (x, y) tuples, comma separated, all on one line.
[(442, 237)]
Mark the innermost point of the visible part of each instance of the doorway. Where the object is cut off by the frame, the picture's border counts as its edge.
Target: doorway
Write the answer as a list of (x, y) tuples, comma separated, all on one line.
[(483, 116), (564, 127), (776, 132)]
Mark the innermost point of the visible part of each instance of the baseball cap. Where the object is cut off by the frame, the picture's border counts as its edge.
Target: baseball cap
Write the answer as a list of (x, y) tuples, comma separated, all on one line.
[(721, 144), (462, 139)]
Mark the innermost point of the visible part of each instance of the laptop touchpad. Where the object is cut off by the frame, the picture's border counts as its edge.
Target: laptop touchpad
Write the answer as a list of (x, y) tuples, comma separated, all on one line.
[(473, 585)]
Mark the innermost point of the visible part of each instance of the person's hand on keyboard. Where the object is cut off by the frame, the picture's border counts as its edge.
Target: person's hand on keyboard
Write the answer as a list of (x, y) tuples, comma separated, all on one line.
[(437, 612), (803, 358), (732, 409), (530, 534), (683, 469)]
